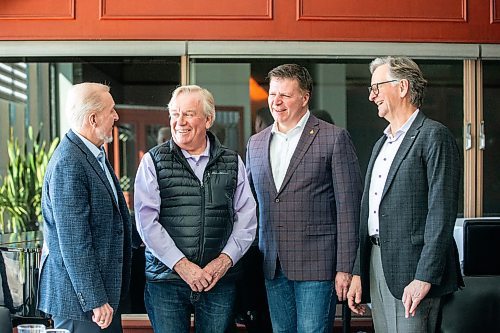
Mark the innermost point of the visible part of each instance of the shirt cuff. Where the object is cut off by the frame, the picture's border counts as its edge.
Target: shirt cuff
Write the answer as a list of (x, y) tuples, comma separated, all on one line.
[(232, 251), (172, 257)]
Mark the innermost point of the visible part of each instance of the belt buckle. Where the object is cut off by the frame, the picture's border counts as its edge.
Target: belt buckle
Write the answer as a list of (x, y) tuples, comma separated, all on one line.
[(375, 240)]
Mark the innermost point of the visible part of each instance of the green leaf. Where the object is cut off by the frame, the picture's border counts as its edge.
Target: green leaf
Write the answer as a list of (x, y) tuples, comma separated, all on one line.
[(21, 190)]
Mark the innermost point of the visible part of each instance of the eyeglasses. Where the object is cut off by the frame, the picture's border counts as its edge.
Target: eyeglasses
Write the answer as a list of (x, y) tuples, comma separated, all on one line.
[(374, 87)]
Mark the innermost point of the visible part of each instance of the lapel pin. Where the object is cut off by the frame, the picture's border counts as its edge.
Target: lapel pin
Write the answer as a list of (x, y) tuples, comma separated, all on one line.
[(311, 132)]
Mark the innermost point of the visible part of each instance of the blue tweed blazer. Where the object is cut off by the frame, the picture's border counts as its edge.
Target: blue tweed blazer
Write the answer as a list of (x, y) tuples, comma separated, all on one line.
[(417, 212), (87, 251), (312, 222)]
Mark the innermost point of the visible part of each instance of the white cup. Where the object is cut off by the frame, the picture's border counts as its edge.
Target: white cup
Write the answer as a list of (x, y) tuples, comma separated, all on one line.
[(31, 328)]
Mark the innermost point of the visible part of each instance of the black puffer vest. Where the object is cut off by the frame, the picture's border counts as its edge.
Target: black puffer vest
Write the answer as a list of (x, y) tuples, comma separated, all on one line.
[(198, 216)]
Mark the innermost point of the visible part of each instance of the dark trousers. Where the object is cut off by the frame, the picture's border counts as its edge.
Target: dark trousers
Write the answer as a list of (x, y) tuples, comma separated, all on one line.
[(77, 326), (251, 300)]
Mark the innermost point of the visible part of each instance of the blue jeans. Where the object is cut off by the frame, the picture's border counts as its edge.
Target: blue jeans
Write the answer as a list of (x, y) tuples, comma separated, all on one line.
[(301, 306), (170, 304)]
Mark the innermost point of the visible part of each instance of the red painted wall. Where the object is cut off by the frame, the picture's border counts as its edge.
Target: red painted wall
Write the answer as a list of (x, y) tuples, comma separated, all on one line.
[(474, 21)]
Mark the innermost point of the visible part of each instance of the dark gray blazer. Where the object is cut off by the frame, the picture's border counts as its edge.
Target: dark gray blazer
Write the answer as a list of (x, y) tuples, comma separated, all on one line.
[(311, 223), (417, 212), (87, 235)]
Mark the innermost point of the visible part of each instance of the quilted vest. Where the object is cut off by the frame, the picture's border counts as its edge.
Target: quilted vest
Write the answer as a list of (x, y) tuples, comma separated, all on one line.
[(197, 215)]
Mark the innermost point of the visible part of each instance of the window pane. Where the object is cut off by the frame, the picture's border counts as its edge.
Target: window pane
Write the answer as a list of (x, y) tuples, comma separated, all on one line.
[(491, 157), (339, 89)]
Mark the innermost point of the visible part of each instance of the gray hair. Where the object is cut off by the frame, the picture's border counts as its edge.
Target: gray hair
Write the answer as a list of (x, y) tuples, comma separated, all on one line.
[(404, 68), (206, 98), (84, 98)]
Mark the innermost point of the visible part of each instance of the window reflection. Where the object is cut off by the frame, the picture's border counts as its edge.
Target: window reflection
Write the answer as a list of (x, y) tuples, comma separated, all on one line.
[(339, 89), (491, 155)]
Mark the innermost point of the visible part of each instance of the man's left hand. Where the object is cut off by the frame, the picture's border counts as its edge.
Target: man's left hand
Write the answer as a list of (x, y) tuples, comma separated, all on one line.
[(413, 294), (217, 268), (342, 283)]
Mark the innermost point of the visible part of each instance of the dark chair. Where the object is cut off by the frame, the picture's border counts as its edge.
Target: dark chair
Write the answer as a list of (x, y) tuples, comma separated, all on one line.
[(476, 308), (5, 320)]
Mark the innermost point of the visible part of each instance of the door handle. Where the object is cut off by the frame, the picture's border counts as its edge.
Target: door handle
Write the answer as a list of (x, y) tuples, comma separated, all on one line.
[(468, 136), (482, 137)]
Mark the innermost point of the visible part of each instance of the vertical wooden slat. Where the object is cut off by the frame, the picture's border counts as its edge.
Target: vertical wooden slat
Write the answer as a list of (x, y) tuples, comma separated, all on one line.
[(479, 152), (184, 69), (470, 154)]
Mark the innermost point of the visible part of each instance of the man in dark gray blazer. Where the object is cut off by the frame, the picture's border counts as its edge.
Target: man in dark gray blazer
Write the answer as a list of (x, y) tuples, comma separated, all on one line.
[(306, 179), (407, 256), (87, 232)]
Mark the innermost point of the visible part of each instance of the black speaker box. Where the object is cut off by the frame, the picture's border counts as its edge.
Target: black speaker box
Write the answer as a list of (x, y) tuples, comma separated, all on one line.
[(481, 247)]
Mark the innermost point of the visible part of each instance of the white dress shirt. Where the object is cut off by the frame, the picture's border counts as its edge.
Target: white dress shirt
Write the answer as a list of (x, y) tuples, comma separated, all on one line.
[(282, 148), (381, 170)]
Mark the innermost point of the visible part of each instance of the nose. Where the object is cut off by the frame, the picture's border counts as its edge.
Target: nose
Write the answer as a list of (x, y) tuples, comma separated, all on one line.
[(278, 99), (371, 96), (116, 116), (181, 119)]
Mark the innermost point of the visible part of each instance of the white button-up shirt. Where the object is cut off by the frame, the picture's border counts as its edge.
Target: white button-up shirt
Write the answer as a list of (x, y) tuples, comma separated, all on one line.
[(381, 170), (283, 146)]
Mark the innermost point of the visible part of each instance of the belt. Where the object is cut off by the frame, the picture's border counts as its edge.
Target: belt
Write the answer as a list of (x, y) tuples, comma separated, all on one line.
[(375, 239)]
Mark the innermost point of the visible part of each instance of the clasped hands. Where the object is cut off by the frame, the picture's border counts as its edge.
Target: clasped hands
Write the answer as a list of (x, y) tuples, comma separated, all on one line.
[(203, 279)]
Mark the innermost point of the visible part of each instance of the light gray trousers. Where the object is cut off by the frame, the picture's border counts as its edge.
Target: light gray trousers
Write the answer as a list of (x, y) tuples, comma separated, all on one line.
[(388, 312)]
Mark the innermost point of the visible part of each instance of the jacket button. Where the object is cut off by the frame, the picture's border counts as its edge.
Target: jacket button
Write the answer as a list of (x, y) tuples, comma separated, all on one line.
[(277, 200)]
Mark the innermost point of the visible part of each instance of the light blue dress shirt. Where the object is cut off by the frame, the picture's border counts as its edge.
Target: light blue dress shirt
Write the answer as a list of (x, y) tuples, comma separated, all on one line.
[(100, 155)]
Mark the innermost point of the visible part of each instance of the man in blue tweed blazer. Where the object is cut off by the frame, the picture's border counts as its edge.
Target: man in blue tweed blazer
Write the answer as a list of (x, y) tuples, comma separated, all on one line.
[(87, 232), (407, 257), (307, 182)]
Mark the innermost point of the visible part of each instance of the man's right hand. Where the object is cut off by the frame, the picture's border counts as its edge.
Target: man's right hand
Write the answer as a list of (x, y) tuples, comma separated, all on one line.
[(354, 296), (193, 275), (103, 315)]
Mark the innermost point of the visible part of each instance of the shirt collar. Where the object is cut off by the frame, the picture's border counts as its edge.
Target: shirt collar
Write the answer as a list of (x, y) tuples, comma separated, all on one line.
[(299, 125), (92, 147), (403, 128), (205, 153)]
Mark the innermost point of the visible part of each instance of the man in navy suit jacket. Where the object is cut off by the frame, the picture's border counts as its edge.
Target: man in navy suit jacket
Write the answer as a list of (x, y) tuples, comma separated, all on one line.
[(307, 182), (87, 232), (407, 257)]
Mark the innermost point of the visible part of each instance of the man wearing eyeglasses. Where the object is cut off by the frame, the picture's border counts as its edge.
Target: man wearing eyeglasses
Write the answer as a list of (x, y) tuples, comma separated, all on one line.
[(407, 257), (195, 213)]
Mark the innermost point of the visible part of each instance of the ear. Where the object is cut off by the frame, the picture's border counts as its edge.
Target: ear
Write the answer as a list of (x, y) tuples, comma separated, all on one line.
[(92, 119), (404, 88), (209, 122), (305, 99)]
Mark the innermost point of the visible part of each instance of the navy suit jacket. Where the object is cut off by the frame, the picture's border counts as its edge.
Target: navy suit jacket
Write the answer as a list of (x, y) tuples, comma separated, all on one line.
[(311, 223), (87, 235), (417, 212)]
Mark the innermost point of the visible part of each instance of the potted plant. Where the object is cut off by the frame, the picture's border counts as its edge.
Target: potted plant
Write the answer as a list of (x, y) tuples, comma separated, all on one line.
[(21, 187)]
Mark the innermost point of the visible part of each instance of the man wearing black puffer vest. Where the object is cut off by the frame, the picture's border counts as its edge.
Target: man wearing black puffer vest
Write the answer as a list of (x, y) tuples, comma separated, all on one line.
[(196, 215)]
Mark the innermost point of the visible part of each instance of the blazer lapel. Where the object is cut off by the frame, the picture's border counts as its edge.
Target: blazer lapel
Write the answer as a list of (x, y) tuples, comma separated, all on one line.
[(407, 143), (310, 131), (92, 160), (369, 170), (268, 170)]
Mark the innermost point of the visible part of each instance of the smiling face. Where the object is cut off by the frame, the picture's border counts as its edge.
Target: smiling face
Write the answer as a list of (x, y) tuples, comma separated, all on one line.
[(189, 123), (287, 102), (105, 120), (388, 98)]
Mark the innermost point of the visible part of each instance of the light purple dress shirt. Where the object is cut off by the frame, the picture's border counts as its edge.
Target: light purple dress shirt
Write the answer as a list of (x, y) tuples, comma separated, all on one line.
[(147, 209)]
